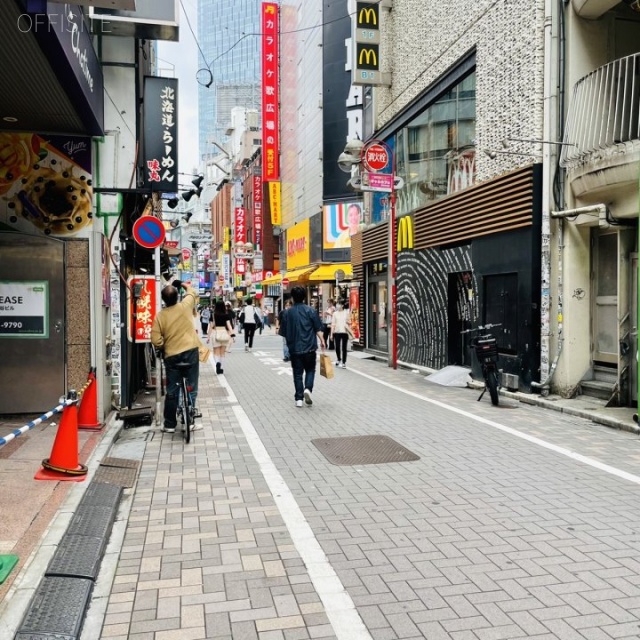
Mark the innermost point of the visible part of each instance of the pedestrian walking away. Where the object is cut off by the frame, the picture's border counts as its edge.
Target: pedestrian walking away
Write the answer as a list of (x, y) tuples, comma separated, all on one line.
[(302, 329), (266, 323), (285, 348), (205, 318), (172, 332), (340, 333), (220, 331), (259, 318), (249, 323)]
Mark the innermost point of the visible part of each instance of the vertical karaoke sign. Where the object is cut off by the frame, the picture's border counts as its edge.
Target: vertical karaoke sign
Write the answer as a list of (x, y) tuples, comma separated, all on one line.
[(240, 235), (270, 92), (257, 210), (161, 133)]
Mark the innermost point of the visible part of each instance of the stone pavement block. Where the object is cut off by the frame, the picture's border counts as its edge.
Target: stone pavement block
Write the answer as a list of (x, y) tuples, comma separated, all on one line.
[(217, 625), (245, 630)]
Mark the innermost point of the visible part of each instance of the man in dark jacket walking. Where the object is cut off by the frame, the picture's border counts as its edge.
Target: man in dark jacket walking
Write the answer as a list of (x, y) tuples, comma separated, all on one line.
[(302, 329)]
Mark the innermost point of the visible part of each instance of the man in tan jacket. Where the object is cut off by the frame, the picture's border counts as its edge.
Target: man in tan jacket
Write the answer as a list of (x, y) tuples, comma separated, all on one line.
[(173, 332)]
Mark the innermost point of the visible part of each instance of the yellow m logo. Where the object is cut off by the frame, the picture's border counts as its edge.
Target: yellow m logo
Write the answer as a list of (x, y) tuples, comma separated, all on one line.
[(368, 56), (367, 15), (405, 233)]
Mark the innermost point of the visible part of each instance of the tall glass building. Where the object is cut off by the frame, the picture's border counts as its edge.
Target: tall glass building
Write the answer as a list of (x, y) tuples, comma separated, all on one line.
[(229, 34)]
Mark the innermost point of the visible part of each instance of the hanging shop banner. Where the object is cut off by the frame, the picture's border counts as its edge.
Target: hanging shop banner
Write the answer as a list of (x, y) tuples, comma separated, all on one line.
[(298, 245), (354, 311), (24, 309), (270, 92), (275, 203), (240, 225), (161, 133), (226, 268), (45, 184), (142, 307), (240, 235), (257, 210), (340, 221)]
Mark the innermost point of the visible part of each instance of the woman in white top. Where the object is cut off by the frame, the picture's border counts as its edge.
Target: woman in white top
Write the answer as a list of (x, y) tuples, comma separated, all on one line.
[(327, 314), (249, 325), (340, 332)]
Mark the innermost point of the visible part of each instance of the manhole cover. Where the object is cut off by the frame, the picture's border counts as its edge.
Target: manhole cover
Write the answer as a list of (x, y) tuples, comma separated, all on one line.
[(120, 462), (353, 450), (120, 476)]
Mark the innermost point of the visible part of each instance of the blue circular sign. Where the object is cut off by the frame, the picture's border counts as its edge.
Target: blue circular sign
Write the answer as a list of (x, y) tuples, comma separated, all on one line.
[(148, 232)]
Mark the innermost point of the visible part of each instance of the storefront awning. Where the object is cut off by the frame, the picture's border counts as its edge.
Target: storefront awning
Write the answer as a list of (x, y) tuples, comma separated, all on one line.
[(298, 274), (327, 272), (277, 279)]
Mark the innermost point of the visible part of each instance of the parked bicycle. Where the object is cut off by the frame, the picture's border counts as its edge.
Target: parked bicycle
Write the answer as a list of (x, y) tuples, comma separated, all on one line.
[(485, 346)]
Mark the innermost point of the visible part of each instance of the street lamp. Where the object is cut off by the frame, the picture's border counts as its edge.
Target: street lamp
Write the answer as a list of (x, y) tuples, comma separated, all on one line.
[(365, 161)]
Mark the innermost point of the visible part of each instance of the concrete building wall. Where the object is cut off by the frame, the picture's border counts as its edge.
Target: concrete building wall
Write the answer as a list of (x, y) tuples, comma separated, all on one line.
[(421, 40)]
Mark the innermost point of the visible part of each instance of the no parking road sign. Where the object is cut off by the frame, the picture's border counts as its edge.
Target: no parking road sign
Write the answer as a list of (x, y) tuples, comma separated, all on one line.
[(148, 232)]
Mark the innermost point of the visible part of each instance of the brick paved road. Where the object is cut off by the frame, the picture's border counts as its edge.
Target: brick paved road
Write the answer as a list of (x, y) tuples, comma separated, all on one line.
[(487, 536)]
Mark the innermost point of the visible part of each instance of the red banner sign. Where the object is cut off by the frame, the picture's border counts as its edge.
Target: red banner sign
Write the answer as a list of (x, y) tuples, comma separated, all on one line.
[(257, 210), (142, 307), (240, 225), (270, 92)]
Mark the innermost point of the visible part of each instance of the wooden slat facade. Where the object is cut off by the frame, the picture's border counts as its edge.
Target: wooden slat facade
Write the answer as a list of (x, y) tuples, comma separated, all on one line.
[(375, 243), (356, 249), (502, 204)]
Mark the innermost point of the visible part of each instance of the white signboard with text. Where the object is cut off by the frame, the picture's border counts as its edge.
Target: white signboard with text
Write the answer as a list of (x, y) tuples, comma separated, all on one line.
[(24, 309)]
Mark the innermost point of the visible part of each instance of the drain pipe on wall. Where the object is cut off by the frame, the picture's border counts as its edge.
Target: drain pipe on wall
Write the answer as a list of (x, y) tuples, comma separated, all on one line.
[(549, 132), (601, 210)]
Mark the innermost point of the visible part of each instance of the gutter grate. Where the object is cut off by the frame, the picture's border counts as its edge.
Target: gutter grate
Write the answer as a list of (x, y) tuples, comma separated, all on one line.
[(57, 610)]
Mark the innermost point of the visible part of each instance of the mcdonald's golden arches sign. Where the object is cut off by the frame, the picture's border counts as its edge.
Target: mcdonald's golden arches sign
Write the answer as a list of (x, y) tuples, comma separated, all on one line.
[(366, 45), (405, 233)]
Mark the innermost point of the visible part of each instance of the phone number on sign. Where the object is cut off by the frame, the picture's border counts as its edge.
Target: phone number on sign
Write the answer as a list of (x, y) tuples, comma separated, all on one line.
[(10, 325)]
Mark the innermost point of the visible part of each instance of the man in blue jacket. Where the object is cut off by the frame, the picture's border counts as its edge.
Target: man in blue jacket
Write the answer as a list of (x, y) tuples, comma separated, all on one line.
[(302, 329)]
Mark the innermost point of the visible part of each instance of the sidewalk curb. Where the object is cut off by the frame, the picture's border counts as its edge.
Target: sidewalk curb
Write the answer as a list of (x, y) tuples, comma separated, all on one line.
[(18, 598), (536, 400), (613, 423)]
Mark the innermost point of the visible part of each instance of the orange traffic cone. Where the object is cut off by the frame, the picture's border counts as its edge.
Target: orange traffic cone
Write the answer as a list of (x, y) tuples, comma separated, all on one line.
[(88, 412), (63, 463)]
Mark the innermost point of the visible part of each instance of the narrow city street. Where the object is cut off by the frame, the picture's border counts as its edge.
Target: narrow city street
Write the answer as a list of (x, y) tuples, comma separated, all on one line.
[(514, 522)]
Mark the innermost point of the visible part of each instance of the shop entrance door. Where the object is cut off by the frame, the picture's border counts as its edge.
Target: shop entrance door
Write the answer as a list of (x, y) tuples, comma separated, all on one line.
[(604, 337), (377, 315), (32, 323), (633, 360)]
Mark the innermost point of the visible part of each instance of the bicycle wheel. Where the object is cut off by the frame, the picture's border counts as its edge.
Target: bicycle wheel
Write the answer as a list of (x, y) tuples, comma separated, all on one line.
[(492, 384), (187, 418)]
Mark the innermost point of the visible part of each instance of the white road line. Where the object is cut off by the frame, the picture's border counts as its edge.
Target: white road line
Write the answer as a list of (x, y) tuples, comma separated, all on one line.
[(496, 425), (231, 397), (339, 607)]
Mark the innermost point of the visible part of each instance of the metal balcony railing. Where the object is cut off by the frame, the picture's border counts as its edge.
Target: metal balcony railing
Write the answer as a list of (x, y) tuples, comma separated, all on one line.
[(604, 110)]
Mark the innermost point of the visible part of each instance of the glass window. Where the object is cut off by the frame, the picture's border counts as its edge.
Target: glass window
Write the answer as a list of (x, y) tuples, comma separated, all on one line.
[(435, 154)]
